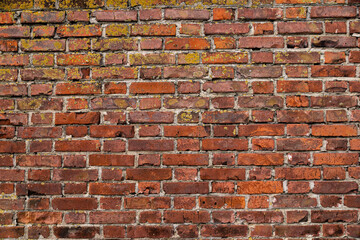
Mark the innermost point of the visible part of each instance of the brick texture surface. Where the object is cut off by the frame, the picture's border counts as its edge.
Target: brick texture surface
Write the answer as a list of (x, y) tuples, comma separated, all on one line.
[(179, 119)]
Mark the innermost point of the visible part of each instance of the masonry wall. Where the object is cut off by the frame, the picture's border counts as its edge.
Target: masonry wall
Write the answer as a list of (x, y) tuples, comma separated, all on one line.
[(179, 119)]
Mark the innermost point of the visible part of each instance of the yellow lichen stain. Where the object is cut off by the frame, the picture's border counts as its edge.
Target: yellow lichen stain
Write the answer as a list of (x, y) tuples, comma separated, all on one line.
[(81, 4), (186, 116), (58, 45), (26, 44), (223, 2), (51, 74), (45, 3), (16, 4), (117, 30), (32, 104), (44, 60), (121, 103), (279, 57), (172, 101), (74, 73), (5, 74), (272, 102), (191, 58), (200, 103), (117, 3), (152, 3), (138, 58), (15, 89), (302, 12)]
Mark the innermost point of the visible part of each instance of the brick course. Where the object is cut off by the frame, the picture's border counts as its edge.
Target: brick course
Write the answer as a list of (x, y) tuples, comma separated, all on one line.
[(179, 119)]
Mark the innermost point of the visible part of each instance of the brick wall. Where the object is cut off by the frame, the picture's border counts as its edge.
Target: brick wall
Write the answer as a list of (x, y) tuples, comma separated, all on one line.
[(179, 119)]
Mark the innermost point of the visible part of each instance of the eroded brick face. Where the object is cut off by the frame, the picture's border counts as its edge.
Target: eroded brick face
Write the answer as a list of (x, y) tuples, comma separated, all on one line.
[(179, 119)]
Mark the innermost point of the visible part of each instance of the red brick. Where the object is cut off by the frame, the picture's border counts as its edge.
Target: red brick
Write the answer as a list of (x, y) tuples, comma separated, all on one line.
[(151, 145), (299, 144), (40, 217), (299, 28), (149, 232), (77, 146), (111, 131), (186, 188), (151, 44), (224, 230), (224, 42), (14, 31), (185, 72), (114, 44), (151, 117), (186, 131), (42, 17), (111, 188), (30, 74), (185, 159), (259, 72), (79, 31), (152, 88), (153, 30), (73, 232), (260, 159), (74, 203), (77, 118), (14, 60), (112, 103), (332, 71), (150, 14), (258, 187), (223, 14), (297, 230), (224, 144), (263, 144), (296, 216), (296, 12), (8, 45), (334, 130), (334, 42), (13, 90), (222, 202), (333, 12), (329, 216), (297, 57), (222, 174), (335, 187), (298, 173), (75, 175), (259, 173), (149, 174), (112, 217), (261, 217), (296, 116), (260, 13), (7, 18), (43, 31), (180, 14), (261, 42), (78, 16), (116, 16), (39, 132), (335, 27), (225, 28), (186, 43)]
